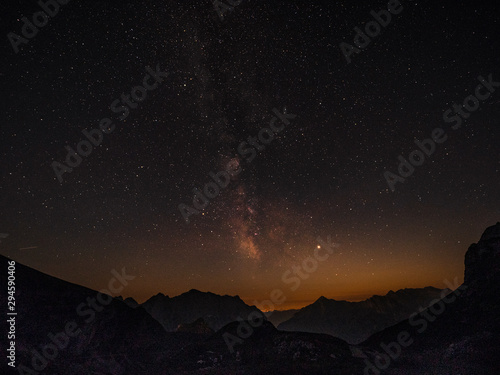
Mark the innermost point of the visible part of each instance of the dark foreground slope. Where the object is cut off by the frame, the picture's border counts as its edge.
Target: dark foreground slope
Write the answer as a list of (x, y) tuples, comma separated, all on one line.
[(109, 338)]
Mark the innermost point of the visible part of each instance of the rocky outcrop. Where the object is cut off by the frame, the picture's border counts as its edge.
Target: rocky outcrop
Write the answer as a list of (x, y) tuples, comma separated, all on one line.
[(482, 260), (461, 335)]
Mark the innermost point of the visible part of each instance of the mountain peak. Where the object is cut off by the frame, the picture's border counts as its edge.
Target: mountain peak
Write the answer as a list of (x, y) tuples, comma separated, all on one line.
[(187, 308), (491, 232)]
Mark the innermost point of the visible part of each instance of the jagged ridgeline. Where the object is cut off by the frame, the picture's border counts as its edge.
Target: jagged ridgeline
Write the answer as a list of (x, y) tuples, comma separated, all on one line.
[(185, 334)]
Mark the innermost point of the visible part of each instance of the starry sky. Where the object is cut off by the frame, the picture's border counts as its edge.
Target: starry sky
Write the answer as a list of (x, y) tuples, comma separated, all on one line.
[(322, 175)]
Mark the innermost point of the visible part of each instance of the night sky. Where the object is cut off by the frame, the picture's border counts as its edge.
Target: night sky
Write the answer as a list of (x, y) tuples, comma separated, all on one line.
[(322, 175)]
